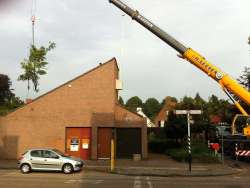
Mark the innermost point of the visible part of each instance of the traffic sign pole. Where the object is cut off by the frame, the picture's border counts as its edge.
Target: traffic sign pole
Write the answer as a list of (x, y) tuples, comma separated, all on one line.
[(188, 112), (189, 142)]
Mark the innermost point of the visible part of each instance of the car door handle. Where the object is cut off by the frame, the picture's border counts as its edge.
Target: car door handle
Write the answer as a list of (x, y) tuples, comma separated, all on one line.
[(45, 159), (31, 159)]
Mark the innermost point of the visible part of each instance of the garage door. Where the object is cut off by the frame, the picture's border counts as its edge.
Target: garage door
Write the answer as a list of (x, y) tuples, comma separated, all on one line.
[(128, 142)]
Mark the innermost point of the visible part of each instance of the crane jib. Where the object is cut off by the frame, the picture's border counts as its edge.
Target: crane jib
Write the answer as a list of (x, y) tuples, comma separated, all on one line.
[(189, 54), (135, 15)]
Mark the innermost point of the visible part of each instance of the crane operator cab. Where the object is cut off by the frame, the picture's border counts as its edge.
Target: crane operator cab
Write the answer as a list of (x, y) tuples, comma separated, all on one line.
[(241, 125)]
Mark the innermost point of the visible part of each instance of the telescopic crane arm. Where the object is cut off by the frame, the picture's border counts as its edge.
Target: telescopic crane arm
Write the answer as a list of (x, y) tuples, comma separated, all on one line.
[(228, 84)]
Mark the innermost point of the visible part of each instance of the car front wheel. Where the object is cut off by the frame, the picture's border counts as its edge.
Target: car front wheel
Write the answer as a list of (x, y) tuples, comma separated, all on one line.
[(25, 168), (67, 169)]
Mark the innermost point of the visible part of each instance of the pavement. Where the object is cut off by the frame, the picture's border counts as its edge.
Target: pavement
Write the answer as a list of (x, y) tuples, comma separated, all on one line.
[(156, 165)]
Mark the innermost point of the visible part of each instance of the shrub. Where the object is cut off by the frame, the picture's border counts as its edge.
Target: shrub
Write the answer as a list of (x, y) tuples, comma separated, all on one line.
[(156, 145), (179, 154), (200, 153)]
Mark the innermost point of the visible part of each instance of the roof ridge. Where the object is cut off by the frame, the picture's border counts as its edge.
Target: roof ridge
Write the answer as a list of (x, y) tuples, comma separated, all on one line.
[(77, 77)]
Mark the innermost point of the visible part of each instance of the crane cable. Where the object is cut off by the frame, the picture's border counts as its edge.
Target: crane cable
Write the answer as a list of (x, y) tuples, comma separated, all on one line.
[(33, 19)]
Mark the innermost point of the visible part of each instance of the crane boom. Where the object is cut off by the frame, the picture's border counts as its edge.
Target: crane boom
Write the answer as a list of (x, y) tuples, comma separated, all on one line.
[(228, 84)]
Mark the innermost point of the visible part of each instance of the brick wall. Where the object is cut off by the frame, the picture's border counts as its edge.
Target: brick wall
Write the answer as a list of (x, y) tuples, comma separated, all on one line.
[(42, 122)]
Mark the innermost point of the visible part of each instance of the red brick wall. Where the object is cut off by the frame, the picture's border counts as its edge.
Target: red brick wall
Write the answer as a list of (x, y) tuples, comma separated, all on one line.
[(42, 123)]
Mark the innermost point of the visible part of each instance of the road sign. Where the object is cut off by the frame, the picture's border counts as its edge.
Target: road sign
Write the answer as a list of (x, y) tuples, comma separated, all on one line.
[(188, 111), (195, 111), (181, 111)]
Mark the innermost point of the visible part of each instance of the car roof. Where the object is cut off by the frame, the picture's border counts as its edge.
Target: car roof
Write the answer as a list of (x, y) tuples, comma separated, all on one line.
[(40, 149)]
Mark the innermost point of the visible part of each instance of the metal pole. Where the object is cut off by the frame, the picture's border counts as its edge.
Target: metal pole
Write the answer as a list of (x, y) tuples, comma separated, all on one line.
[(189, 142), (236, 151), (112, 161), (222, 147)]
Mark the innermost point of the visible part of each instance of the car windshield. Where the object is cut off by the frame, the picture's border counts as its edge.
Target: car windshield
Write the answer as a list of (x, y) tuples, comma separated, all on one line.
[(60, 153)]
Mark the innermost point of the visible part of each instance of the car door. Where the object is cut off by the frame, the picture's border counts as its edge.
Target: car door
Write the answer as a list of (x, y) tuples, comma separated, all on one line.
[(52, 160), (36, 159)]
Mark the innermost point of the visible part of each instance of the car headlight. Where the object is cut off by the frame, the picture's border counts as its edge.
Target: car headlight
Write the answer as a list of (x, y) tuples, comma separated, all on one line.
[(79, 163)]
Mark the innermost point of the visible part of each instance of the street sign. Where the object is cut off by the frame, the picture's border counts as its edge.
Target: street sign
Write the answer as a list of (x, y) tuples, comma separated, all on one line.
[(188, 111), (181, 111), (195, 111)]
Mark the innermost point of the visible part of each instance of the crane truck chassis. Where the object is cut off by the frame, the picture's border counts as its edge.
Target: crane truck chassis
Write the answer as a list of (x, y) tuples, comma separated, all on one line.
[(228, 84)]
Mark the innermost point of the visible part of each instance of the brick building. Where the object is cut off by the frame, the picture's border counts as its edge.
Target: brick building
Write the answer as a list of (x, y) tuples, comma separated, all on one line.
[(79, 118)]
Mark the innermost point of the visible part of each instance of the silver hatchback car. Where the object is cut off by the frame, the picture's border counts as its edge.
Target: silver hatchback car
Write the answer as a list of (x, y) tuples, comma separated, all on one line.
[(48, 160)]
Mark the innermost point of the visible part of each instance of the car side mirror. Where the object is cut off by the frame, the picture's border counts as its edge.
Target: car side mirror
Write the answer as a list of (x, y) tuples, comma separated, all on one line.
[(56, 157)]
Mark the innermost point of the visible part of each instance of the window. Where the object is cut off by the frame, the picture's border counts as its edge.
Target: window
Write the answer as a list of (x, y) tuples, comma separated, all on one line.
[(36, 153), (59, 152), (49, 154)]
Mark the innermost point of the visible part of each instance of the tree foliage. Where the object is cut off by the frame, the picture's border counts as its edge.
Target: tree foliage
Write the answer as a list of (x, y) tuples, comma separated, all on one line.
[(8, 100), (35, 65), (133, 103), (5, 91), (176, 126), (151, 107), (213, 107)]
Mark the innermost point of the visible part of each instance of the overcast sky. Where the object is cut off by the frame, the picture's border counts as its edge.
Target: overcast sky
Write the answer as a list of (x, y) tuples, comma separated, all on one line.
[(88, 32)]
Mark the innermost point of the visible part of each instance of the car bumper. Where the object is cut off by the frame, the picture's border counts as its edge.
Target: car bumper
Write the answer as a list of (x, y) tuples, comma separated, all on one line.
[(18, 164), (78, 167)]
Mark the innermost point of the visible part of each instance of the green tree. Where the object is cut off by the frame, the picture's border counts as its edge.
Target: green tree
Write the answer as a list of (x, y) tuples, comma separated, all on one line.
[(35, 65), (199, 102), (213, 104), (133, 103), (187, 103), (176, 127), (151, 107), (221, 108), (8, 100), (5, 91)]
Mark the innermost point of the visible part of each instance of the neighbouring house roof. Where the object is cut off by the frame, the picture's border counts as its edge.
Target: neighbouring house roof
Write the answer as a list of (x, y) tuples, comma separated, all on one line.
[(124, 116), (169, 105)]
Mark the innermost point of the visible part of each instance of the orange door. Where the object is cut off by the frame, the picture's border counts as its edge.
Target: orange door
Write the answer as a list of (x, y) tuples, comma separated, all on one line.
[(78, 142), (104, 141)]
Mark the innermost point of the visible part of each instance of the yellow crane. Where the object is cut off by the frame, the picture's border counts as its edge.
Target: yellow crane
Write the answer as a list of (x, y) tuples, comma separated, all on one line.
[(230, 86)]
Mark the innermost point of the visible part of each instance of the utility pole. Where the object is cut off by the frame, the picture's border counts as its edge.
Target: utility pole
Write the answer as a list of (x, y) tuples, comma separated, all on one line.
[(188, 112)]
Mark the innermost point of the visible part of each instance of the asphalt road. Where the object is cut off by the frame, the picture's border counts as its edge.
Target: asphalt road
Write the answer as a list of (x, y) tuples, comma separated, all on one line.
[(13, 178)]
